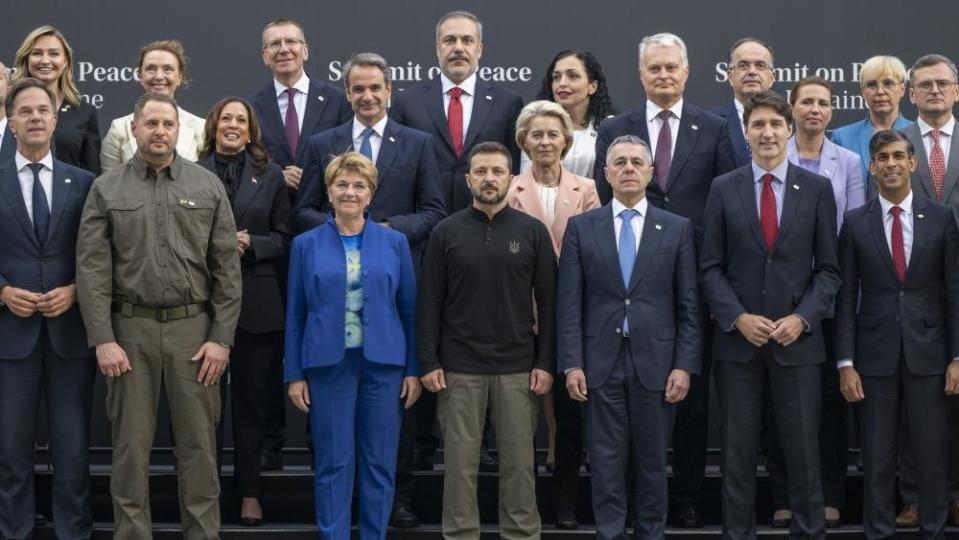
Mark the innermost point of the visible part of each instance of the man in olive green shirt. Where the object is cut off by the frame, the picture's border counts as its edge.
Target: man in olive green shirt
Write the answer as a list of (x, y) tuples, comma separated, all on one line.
[(158, 283)]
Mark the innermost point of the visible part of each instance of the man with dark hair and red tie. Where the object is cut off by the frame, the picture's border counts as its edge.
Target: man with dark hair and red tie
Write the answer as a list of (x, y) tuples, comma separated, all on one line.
[(897, 320), (769, 272)]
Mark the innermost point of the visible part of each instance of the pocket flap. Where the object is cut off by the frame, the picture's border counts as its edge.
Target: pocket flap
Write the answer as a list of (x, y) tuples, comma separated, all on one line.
[(125, 204)]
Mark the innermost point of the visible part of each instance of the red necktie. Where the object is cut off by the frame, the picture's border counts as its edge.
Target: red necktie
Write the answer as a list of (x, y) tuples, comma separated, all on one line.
[(767, 213), (454, 119), (937, 164), (898, 245), (292, 122), (664, 151)]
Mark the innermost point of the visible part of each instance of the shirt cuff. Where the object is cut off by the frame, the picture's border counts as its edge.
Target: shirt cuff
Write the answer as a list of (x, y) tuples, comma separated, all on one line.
[(736, 320), (805, 323), (567, 370), (844, 363)]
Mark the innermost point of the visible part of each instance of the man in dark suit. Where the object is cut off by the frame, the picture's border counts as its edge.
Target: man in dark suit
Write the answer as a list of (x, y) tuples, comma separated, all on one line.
[(44, 343), (898, 325), (750, 71), (690, 148), (630, 334), (770, 273), (459, 110), (8, 144)]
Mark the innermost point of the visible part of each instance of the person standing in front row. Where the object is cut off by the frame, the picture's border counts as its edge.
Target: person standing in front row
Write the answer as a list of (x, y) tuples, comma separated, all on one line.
[(630, 334), (159, 284), (770, 273), (486, 269)]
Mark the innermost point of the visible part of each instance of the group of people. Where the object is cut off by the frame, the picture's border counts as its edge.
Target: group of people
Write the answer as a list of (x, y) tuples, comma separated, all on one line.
[(360, 246)]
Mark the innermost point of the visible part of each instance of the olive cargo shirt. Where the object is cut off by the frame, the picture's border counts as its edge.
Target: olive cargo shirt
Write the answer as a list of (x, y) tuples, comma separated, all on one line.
[(158, 240)]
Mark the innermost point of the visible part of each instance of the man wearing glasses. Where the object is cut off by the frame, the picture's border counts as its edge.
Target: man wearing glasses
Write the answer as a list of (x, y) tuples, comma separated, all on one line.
[(750, 71)]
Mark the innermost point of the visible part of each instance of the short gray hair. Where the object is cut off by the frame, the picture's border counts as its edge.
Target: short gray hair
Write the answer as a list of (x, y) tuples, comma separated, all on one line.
[(664, 39), (928, 60), (365, 59), (628, 139), (461, 15)]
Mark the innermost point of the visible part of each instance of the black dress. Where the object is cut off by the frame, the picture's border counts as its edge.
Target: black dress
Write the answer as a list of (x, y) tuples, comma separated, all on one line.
[(76, 140)]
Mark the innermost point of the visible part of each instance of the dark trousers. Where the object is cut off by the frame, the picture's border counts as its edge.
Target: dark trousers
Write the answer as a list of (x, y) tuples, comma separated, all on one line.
[(569, 449), (626, 421), (797, 404), (907, 462), (921, 402), (67, 388)]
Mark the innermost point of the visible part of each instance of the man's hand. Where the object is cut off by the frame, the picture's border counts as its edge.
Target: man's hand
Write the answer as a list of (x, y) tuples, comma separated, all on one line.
[(435, 380), (540, 381), (291, 175), (576, 384), (299, 394), (850, 384), (411, 391), (788, 329), (112, 360), (215, 359), (243, 241), (952, 378), (677, 386), (20, 302), (755, 328), (57, 301)]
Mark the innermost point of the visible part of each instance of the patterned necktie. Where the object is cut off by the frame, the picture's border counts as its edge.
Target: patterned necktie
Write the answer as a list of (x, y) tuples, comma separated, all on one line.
[(664, 151), (365, 147), (898, 245), (767, 213), (454, 119), (937, 164), (41, 211), (627, 253), (292, 122)]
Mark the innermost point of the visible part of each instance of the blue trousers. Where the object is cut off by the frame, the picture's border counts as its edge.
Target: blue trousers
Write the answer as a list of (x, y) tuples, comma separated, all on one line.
[(355, 419)]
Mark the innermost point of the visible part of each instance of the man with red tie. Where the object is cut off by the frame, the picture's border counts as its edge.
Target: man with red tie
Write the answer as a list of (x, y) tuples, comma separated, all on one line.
[(769, 272)]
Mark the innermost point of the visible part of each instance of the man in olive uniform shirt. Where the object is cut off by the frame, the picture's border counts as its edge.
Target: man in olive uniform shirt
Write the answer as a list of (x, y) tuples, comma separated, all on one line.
[(158, 282)]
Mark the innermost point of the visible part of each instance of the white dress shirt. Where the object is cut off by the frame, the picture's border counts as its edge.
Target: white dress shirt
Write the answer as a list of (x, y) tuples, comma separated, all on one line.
[(945, 137), (302, 87), (654, 124), (3, 127), (637, 221), (376, 140), (740, 110), (466, 99), (25, 174), (778, 184), (581, 156)]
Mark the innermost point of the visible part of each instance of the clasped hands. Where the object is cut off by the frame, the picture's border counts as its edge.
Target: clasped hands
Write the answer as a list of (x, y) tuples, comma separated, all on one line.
[(758, 330), (53, 303)]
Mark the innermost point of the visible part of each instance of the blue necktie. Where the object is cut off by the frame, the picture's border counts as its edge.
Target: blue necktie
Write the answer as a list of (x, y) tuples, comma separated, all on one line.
[(41, 211), (365, 147), (627, 253)]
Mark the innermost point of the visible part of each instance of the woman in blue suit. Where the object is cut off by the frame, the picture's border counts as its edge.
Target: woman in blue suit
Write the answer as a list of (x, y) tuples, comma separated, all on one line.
[(350, 349)]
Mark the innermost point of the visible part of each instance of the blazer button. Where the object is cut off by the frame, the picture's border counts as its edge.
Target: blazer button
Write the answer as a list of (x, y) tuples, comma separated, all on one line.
[(619, 330), (627, 301), (769, 260), (902, 293), (897, 319), (665, 199)]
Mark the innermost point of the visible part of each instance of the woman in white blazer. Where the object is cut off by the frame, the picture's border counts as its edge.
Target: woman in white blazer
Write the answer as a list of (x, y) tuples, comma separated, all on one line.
[(162, 68)]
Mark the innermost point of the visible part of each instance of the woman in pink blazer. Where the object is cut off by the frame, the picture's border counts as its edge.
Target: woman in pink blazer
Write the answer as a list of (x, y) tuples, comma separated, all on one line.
[(552, 194)]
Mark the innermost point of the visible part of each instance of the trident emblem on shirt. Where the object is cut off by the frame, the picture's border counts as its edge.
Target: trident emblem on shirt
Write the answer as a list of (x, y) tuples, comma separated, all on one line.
[(514, 247)]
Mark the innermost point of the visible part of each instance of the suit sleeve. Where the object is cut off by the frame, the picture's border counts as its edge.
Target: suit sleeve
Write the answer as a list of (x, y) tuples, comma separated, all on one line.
[(950, 272), (848, 297), (429, 304), (603, 138), (224, 264), (720, 295), (406, 303), (544, 290), (689, 320), (569, 303), (510, 142), (91, 143), (95, 269), (309, 208), (819, 296), (111, 153), (296, 310), (275, 244), (725, 159), (430, 208)]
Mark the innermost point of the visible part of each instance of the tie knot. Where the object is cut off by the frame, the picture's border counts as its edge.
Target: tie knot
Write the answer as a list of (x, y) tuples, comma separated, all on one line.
[(35, 167), (935, 135), (895, 210), (368, 132), (664, 114), (291, 92), (456, 92), (628, 214), (768, 179)]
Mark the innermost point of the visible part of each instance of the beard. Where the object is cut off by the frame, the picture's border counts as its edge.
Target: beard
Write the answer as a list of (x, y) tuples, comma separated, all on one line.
[(494, 199)]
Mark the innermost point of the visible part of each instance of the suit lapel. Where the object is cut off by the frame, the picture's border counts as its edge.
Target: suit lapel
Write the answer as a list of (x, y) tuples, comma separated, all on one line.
[(828, 159), (271, 117), (388, 148), (10, 187), (528, 198), (433, 100), (648, 244), (567, 202), (747, 196), (62, 185), (606, 240), (793, 191), (246, 190), (879, 235), (922, 171), (685, 140), (919, 232), (315, 103), (736, 134), (638, 120), (482, 104)]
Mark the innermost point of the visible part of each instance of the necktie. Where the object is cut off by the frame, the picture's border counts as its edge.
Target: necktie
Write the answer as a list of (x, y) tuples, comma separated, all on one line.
[(365, 147), (454, 119), (767, 213), (898, 245), (664, 151), (41, 211), (292, 121), (627, 253), (937, 164)]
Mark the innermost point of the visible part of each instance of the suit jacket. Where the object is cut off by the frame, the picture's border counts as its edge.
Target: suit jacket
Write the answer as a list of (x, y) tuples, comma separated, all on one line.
[(76, 139), (800, 275), (26, 265), (408, 194), (326, 107), (8, 148), (661, 302), (703, 152), (262, 207), (919, 317), (575, 196), (843, 169), (316, 305), (922, 176), (856, 136), (734, 126), (493, 119), (119, 144)]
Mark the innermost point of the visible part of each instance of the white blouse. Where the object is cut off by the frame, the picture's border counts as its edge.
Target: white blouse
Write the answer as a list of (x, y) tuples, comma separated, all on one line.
[(547, 196), (581, 156)]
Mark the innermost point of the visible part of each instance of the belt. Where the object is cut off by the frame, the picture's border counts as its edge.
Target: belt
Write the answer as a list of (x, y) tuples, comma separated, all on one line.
[(162, 315)]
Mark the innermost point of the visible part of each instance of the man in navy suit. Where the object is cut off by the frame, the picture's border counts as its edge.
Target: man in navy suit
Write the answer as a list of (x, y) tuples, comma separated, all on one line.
[(630, 334), (770, 272), (897, 321), (8, 144), (460, 110), (44, 344), (750, 71), (690, 148)]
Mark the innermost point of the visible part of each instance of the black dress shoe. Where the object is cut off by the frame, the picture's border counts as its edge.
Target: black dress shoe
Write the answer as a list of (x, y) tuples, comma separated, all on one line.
[(688, 518), (271, 461), (567, 523), (781, 523), (251, 521), (39, 520), (487, 462), (402, 517), (422, 460)]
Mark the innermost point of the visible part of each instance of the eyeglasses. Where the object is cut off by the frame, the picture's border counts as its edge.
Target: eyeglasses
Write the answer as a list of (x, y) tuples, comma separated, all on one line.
[(928, 86), (886, 84), (745, 66), (290, 43)]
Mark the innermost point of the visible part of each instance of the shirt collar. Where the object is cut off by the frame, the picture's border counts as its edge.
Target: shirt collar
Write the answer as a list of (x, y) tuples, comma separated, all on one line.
[(740, 109), (47, 161), (379, 128), (640, 207), (141, 168), (468, 86), (3, 125), (906, 205), (302, 85), (652, 110), (947, 129), (779, 171)]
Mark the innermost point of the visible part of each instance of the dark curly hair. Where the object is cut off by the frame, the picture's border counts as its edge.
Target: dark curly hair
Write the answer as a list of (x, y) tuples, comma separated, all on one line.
[(255, 148), (600, 106)]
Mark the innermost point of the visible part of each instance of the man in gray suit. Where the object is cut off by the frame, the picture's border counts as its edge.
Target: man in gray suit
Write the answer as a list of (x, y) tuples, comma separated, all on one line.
[(933, 90)]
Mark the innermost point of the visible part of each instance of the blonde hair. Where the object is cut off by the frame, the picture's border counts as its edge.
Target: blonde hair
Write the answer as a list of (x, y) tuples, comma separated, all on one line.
[(352, 162), (66, 86), (877, 66), (543, 107)]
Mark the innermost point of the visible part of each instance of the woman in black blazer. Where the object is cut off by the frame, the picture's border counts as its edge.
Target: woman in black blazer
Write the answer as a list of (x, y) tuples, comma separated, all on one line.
[(233, 151), (46, 55)]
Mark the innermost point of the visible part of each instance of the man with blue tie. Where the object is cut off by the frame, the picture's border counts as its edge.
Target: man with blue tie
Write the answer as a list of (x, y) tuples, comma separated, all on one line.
[(770, 273), (44, 348), (630, 335), (8, 144)]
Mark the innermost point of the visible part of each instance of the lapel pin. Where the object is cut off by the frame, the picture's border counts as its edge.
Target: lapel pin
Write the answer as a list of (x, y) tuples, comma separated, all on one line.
[(796, 187), (392, 139), (67, 181), (825, 173), (566, 202), (920, 216), (321, 98), (658, 226), (695, 127), (489, 98), (254, 180)]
